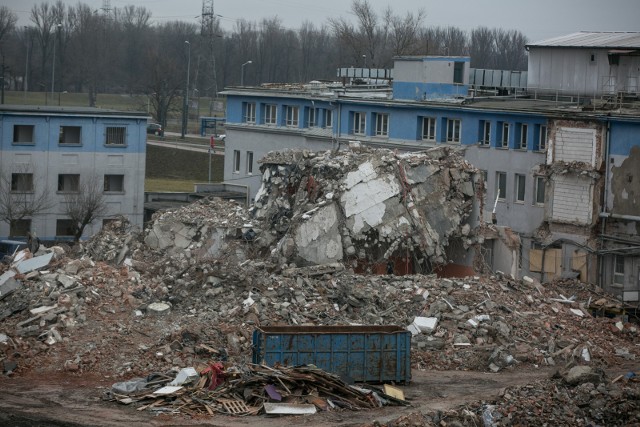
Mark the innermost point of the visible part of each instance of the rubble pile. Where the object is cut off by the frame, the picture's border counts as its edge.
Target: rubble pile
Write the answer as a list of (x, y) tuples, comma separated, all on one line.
[(365, 207), (576, 396), (247, 390)]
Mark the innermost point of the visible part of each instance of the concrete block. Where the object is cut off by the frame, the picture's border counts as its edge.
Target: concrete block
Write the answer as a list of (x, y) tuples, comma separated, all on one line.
[(425, 325)]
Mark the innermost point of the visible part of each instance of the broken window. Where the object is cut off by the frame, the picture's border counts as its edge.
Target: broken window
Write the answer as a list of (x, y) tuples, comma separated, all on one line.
[(520, 188), (328, 119), (312, 120), (249, 162), (19, 228), (69, 135), (429, 128), (291, 115), (359, 123), (23, 134), (453, 130), (541, 138), (270, 114), (21, 182), (249, 112), (114, 183), (64, 228), (116, 135), (236, 161), (522, 145), (539, 190), (484, 138), (618, 269), (69, 183), (501, 185), (382, 124), (503, 128)]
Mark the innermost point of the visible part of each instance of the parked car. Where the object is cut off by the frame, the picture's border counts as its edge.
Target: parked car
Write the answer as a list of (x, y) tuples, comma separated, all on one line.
[(155, 129)]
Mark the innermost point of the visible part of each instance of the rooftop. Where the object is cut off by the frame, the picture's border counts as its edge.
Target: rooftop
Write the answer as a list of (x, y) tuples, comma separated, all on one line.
[(593, 39), (61, 111)]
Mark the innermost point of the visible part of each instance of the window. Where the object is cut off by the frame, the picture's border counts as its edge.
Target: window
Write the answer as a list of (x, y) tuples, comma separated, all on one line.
[(23, 134), (458, 72), (328, 119), (69, 135), (359, 123), (236, 161), (19, 228), (270, 114), (312, 117), (504, 134), (541, 139), (485, 133), (382, 124), (520, 187), (539, 191), (116, 135), (453, 130), (523, 136), (249, 112), (69, 183), (249, 162), (114, 183), (618, 269), (501, 185), (21, 182), (429, 128), (64, 228), (291, 115)]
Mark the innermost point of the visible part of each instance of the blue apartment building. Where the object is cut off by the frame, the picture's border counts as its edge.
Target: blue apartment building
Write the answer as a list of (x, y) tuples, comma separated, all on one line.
[(561, 166), (47, 153)]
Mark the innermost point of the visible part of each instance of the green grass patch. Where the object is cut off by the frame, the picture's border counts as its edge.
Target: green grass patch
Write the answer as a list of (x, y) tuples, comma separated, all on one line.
[(171, 185)]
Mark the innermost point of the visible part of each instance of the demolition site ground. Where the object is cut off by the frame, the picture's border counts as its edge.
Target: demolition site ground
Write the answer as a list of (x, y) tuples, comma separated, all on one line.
[(154, 326)]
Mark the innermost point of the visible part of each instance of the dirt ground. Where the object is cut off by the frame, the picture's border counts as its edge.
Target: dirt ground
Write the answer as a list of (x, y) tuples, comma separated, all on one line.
[(64, 400)]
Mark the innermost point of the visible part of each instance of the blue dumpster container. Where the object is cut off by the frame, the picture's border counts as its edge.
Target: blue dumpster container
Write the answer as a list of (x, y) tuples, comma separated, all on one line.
[(374, 354)]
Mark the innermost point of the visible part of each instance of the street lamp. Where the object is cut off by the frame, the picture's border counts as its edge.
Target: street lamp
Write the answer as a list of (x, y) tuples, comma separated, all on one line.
[(185, 106), (53, 66), (242, 72), (365, 60)]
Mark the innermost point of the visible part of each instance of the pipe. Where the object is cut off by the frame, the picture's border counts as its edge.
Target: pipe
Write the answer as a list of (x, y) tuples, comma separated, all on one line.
[(604, 204), (618, 216)]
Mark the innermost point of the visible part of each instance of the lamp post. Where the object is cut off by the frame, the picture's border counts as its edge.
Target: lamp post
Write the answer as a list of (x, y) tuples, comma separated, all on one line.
[(53, 65), (242, 72), (26, 67), (185, 106), (364, 57)]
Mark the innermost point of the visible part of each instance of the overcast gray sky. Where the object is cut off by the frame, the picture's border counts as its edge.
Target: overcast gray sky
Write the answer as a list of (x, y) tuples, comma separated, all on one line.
[(537, 19)]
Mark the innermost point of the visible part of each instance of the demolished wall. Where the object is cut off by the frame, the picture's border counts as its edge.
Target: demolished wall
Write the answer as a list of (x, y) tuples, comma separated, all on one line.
[(364, 206)]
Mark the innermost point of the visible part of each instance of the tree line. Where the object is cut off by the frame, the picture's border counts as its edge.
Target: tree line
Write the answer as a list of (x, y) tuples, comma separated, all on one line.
[(80, 49)]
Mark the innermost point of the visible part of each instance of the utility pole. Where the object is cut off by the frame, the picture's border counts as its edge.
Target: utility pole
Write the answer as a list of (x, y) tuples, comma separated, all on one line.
[(207, 30)]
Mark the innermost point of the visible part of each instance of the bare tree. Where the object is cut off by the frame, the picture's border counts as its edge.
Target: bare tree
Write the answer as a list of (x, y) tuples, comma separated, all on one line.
[(510, 49), (21, 196), (405, 32), (482, 48), (85, 205), (8, 21)]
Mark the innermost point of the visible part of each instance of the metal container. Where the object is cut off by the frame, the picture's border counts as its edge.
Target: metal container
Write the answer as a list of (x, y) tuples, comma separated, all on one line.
[(373, 354)]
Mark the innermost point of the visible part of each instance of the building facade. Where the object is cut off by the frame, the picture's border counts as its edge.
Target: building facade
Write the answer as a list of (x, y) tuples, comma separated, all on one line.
[(559, 173), (50, 154)]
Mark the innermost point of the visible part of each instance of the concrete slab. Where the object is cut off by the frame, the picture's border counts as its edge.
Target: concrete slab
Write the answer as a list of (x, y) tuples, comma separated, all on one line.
[(34, 263)]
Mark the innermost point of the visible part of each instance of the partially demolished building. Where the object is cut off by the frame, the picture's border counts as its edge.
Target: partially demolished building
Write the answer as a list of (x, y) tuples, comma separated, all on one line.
[(560, 165)]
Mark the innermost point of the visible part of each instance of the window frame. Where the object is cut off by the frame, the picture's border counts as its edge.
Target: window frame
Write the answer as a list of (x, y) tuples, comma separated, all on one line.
[(359, 123), (504, 135), (519, 193), (618, 261), (270, 114), (328, 118), (524, 136), (69, 227), (382, 125), (249, 162), (61, 136), (20, 227), (543, 137), (107, 180), (430, 123), (501, 178), (236, 161), (250, 112), (312, 117), (292, 116), (17, 184), (454, 126), (485, 133), (74, 183), (539, 183), (115, 130), (17, 136)]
